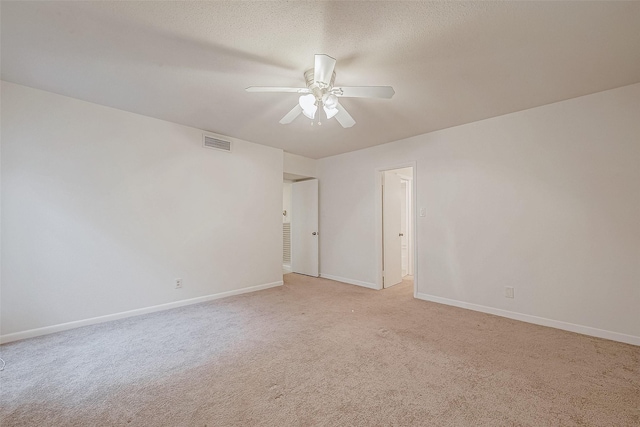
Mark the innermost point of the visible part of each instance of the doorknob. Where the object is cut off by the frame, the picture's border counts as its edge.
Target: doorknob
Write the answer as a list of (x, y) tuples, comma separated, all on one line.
[(314, 233), (400, 234)]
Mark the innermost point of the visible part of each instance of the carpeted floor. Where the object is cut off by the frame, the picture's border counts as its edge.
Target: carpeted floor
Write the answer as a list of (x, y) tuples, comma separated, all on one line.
[(318, 352)]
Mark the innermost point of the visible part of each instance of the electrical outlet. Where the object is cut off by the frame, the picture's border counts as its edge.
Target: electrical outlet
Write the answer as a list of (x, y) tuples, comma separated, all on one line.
[(423, 211), (508, 292), (178, 283)]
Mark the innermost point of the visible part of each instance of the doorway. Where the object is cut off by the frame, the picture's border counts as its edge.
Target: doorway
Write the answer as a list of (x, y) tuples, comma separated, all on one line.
[(304, 227), (397, 226), (286, 226), (300, 226)]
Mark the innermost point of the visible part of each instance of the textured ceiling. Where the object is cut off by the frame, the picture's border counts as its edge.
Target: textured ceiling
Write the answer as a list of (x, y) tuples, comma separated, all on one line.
[(449, 62)]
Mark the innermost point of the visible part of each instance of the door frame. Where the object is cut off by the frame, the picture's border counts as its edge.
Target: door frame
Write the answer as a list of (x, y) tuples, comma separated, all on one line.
[(378, 220)]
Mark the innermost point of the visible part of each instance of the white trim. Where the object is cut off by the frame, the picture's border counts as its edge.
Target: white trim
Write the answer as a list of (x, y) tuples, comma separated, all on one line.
[(137, 312), (286, 269), (572, 327), (351, 281)]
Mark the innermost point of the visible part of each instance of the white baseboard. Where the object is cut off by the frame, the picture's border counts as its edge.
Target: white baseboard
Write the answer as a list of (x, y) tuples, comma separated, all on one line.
[(115, 316), (350, 281), (580, 329)]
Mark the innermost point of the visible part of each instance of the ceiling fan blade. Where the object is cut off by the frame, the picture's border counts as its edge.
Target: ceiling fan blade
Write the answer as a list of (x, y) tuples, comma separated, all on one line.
[(277, 89), (364, 92), (323, 70), (344, 118), (291, 115)]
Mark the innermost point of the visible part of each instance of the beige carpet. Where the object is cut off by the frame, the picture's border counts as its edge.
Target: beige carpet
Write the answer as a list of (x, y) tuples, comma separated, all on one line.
[(318, 352)]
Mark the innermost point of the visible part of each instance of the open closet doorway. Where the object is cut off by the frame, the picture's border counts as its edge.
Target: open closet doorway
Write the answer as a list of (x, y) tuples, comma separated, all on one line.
[(397, 222), (286, 226)]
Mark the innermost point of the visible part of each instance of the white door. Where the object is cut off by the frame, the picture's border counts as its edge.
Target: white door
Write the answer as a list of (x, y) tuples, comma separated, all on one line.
[(404, 229), (304, 227), (391, 229)]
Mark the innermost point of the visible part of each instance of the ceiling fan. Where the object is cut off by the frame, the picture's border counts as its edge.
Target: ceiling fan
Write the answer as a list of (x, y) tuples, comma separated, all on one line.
[(320, 91)]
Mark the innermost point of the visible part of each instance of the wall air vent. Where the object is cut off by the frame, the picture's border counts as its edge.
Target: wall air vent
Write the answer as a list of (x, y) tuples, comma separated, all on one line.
[(216, 144)]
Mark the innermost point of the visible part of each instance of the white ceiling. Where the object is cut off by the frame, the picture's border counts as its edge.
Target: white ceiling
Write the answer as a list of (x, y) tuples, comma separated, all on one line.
[(449, 62)]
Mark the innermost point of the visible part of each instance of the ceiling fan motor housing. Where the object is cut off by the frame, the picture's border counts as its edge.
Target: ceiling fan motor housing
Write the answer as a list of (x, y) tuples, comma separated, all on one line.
[(318, 88)]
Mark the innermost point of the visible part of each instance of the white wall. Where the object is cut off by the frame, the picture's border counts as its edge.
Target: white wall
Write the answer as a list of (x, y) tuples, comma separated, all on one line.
[(301, 166), (546, 200), (102, 209)]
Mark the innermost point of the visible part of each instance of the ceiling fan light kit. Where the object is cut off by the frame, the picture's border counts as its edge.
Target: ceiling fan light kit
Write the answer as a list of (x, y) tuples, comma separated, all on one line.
[(308, 104), (320, 91)]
